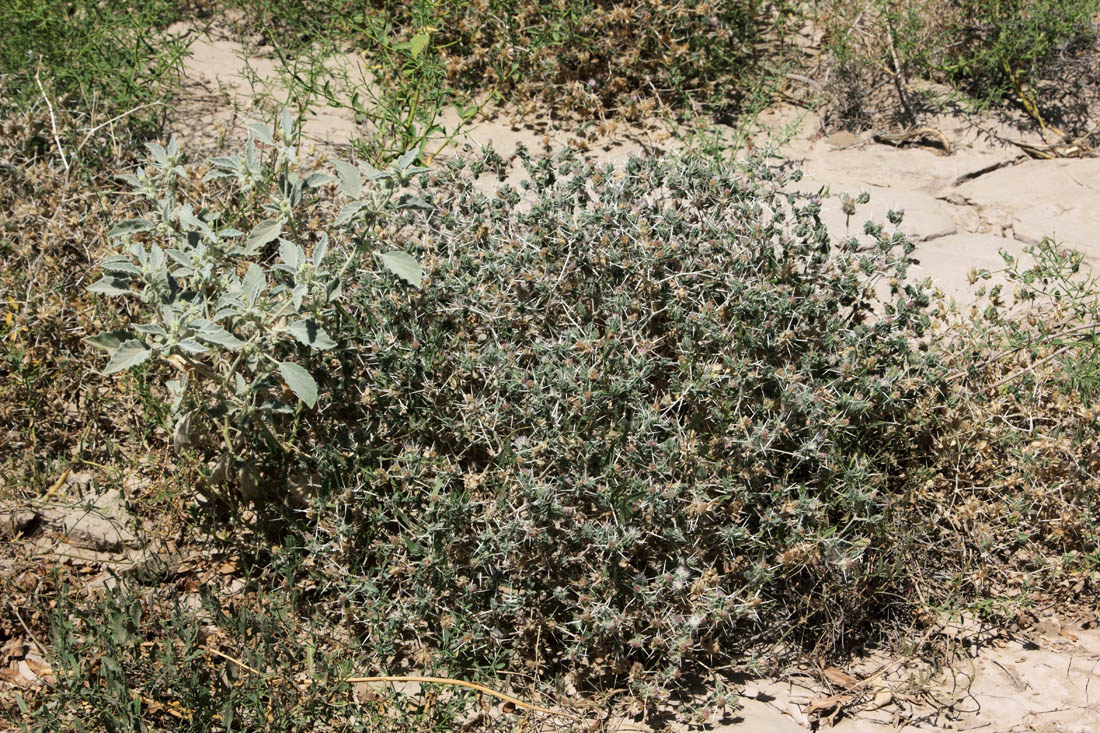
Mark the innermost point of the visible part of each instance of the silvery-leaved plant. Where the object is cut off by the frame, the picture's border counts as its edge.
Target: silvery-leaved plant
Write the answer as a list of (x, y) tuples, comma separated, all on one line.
[(241, 313)]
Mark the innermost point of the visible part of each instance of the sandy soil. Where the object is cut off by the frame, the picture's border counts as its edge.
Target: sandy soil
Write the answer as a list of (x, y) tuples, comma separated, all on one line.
[(968, 191)]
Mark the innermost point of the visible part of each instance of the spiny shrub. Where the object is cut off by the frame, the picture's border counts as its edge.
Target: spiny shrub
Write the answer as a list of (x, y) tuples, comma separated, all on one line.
[(617, 56), (1015, 493), (637, 418), (578, 56)]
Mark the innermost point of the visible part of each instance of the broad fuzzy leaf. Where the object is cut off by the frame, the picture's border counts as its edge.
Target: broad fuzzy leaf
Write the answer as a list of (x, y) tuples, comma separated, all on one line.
[(182, 433), (120, 263), (316, 180), (310, 333), (130, 226), (226, 163), (151, 329), (320, 250), (408, 201), (158, 153), (266, 231), (348, 211), (373, 174), (351, 182), (300, 382), (111, 285), (216, 173), (404, 266), (290, 253), (215, 334), (262, 132), (109, 340), (191, 346), (254, 282), (407, 159), (128, 354)]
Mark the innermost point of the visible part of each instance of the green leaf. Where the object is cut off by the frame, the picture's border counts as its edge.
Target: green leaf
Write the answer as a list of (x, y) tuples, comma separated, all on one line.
[(262, 132), (373, 174), (466, 113), (128, 354), (310, 333), (407, 159), (251, 160), (408, 201), (110, 285), (348, 212), (226, 163), (215, 334), (188, 220), (191, 346), (182, 433), (121, 264), (300, 381), (404, 266), (109, 340), (158, 153), (213, 174), (290, 253), (286, 123), (351, 182), (316, 180), (177, 388), (130, 226), (418, 44), (264, 232), (320, 250), (254, 282), (151, 329)]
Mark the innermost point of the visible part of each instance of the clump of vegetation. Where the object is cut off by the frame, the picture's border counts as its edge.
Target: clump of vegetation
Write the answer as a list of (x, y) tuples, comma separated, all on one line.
[(95, 60), (619, 427), (995, 52), (139, 661), (618, 58), (592, 59), (1019, 460), (244, 317), (49, 229), (633, 417), (634, 423)]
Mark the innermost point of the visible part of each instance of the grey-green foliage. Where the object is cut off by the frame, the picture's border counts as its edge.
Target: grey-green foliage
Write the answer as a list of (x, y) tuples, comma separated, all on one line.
[(234, 282), (639, 419)]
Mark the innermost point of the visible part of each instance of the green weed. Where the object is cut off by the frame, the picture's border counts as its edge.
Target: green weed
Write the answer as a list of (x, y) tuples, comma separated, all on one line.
[(134, 659), (98, 60), (994, 52)]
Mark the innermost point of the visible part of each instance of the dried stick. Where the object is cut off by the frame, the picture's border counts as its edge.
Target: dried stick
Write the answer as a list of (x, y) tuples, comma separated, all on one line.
[(53, 124)]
